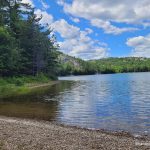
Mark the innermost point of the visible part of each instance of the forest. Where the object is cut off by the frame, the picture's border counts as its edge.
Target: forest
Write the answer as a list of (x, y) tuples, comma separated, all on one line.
[(26, 46), (75, 66)]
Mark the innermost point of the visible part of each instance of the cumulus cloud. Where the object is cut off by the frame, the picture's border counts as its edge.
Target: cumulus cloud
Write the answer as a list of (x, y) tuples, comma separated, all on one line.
[(75, 42), (107, 11), (108, 28), (140, 45), (46, 17), (78, 43), (66, 30)]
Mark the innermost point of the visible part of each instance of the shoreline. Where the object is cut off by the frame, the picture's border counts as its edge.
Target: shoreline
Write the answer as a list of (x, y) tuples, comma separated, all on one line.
[(110, 132), (16, 133), (26, 89), (70, 75), (39, 85)]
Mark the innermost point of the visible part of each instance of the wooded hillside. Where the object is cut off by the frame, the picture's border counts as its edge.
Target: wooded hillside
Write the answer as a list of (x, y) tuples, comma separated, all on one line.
[(75, 66)]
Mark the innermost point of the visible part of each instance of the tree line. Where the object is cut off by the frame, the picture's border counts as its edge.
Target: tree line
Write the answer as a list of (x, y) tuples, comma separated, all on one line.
[(26, 46), (76, 66), (122, 65)]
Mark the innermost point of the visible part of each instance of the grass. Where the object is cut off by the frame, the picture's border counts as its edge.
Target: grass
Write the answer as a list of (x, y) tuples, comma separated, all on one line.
[(21, 85)]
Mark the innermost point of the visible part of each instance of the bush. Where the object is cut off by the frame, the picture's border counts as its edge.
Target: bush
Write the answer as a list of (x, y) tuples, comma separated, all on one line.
[(53, 77), (19, 82)]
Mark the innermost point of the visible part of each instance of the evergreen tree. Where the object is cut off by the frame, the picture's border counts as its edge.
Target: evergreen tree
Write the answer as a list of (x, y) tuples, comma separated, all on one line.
[(9, 55), (24, 41)]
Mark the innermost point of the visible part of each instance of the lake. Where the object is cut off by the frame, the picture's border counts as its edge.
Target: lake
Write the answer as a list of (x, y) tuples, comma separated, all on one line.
[(112, 102)]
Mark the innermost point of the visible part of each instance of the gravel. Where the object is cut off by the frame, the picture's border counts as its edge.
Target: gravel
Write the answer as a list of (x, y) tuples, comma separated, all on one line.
[(23, 134)]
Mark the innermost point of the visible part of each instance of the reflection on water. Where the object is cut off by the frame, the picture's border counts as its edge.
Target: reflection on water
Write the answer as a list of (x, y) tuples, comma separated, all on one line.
[(38, 105), (113, 102)]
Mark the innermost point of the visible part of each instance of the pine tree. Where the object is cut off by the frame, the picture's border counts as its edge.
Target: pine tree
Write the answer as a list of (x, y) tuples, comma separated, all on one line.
[(24, 41)]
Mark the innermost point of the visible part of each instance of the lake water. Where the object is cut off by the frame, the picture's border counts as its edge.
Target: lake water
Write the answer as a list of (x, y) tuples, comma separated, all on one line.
[(112, 102)]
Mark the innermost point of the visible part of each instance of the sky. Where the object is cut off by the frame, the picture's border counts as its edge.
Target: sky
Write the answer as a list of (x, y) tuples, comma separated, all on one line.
[(94, 29)]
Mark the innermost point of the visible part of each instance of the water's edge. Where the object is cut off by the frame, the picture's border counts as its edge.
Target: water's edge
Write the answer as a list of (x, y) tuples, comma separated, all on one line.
[(55, 123)]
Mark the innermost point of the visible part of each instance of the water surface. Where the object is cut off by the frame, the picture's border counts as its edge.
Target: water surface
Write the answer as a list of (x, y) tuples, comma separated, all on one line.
[(112, 102)]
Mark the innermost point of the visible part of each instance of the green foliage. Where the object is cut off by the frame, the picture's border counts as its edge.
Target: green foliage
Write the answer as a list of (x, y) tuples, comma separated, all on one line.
[(74, 66), (9, 53), (11, 86), (19, 82), (26, 47), (120, 65)]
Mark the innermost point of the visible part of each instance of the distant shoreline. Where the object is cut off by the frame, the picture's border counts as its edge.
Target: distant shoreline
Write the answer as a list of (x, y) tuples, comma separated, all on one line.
[(30, 134), (69, 75)]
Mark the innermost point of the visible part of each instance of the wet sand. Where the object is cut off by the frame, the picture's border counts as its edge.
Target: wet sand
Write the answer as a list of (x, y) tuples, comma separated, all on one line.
[(23, 134), (39, 85)]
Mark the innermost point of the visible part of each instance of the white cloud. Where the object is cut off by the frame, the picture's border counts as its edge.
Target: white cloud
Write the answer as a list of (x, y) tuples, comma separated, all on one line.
[(78, 43), (46, 17), (75, 42), (44, 4), (108, 28), (28, 2), (76, 20), (61, 2), (89, 31), (114, 10), (66, 30), (126, 11), (140, 45)]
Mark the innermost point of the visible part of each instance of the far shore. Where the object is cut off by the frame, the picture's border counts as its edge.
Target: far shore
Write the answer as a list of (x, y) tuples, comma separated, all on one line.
[(19, 134)]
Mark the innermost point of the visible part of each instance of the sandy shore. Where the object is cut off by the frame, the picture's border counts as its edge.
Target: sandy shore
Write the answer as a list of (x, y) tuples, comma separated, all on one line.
[(39, 85), (22, 134)]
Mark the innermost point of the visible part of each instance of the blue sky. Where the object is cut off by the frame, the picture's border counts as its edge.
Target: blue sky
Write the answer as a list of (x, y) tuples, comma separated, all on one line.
[(93, 29)]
